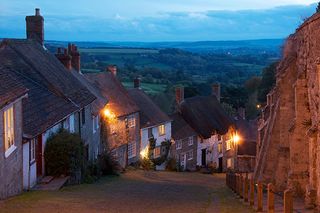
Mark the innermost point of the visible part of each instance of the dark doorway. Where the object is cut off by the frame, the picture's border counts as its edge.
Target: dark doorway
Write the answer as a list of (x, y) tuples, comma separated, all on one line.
[(39, 156), (204, 157), (220, 165)]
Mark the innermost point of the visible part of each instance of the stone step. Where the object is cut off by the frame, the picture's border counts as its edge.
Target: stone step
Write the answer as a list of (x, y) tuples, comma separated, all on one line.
[(46, 179)]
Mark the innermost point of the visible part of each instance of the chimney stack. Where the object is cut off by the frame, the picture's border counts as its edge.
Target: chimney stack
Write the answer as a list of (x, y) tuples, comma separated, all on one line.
[(64, 58), (179, 94), (112, 69), (34, 25), (136, 83), (216, 90), (75, 57)]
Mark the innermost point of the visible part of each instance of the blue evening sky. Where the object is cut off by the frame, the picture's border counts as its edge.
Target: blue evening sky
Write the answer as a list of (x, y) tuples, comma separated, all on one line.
[(157, 20)]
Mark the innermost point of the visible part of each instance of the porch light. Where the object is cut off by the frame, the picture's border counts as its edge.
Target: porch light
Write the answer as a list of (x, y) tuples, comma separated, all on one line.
[(236, 138), (144, 152), (108, 114)]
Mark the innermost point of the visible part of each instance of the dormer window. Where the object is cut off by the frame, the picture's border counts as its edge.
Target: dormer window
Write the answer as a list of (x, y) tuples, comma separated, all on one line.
[(9, 145)]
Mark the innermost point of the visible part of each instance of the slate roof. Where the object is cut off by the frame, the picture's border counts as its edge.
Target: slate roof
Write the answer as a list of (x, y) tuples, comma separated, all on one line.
[(180, 129), (150, 113), (248, 133), (10, 87), (111, 88), (205, 115), (101, 101), (54, 93)]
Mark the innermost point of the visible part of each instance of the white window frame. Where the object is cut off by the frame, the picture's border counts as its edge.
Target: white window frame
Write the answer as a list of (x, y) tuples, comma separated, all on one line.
[(95, 123), (132, 150), (131, 121), (157, 152), (179, 144), (32, 150), (151, 135), (9, 130), (228, 145), (190, 141), (162, 130), (190, 155)]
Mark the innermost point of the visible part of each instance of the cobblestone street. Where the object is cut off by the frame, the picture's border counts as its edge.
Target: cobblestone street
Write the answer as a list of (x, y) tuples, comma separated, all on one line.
[(134, 191)]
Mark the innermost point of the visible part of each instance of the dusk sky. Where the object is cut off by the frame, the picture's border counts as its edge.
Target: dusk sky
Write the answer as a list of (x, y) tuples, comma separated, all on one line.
[(155, 20)]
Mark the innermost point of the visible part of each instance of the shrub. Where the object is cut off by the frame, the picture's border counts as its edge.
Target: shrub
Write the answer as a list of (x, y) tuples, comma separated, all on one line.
[(63, 154), (147, 164), (108, 164), (171, 164)]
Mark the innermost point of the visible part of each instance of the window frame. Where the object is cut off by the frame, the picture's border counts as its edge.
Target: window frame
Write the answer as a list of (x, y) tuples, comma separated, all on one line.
[(190, 141), (131, 121), (9, 128), (157, 154), (178, 144), (160, 129), (150, 131), (32, 150), (190, 153), (132, 150)]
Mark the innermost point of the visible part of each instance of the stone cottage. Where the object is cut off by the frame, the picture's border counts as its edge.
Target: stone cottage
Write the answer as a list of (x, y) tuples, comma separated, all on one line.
[(121, 120), (288, 132), (184, 143), (12, 92), (206, 116), (154, 123), (56, 99)]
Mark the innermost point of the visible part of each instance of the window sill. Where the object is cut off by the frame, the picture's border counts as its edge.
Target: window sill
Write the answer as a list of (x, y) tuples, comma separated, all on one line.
[(10, 151), (129, 157)]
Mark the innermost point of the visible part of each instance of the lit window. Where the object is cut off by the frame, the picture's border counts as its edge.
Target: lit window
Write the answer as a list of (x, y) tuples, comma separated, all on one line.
[(162, 130), (32, 150), (9, 146), (131, 122), (190, 155), (156, 152), (132, 150), (220, 148), (228, 145), (179, 144), (150, 135), (190, 141)]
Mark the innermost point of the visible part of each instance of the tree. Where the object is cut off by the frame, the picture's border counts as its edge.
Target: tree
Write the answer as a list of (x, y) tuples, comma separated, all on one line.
[(318, 8), (267, 82)]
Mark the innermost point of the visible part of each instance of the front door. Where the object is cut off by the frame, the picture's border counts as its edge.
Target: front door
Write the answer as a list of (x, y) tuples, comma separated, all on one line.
[(220, 165), (39, 156), (204, 157)]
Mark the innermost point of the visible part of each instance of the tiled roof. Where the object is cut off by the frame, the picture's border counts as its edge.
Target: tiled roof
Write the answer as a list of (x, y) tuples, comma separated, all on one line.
[(150, 113), (53, 92), (205, 115), (111, 88), (180, 129), (10, 87)]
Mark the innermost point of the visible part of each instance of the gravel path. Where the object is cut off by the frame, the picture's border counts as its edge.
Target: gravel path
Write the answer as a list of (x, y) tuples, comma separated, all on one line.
[(134, 191)]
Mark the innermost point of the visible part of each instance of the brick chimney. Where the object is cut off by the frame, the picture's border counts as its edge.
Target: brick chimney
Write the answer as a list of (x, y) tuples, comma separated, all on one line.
[(179, 94), (35, 29), (64, 58), (136, 83), (75, 56), (216, 90), (112, 69)]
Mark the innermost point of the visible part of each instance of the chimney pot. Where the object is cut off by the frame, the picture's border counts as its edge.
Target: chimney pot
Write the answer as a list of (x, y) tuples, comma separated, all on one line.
[(112, 69), (179, 94), (37, 12), (216, 91)]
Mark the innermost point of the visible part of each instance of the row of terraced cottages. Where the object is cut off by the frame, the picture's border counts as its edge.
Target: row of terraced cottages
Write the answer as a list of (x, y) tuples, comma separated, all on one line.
[(41, 93)]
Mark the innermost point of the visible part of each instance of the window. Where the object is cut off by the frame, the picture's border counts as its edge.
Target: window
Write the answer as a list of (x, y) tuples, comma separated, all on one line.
[(162, 130), (83, 116), (95, 123), (66, 124), (131, 122), (32, 150), (190, 141), (228, 145), (9, 146), (219, 137), (132, 150), (150, 135), (230, 163), (156, 152), (190, 155), (179, 144), (220, 147)]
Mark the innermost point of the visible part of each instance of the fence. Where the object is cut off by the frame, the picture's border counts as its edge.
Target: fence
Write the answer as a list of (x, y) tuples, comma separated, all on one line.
[(251, 192)]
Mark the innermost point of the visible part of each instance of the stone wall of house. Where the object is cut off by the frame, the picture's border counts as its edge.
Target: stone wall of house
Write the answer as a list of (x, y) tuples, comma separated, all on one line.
[(11, 175), (288, 147)]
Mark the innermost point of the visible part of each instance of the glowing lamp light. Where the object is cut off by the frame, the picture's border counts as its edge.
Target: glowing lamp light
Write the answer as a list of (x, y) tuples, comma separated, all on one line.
[(258, 106), (144, 152), (108, 114), (236, 138)]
